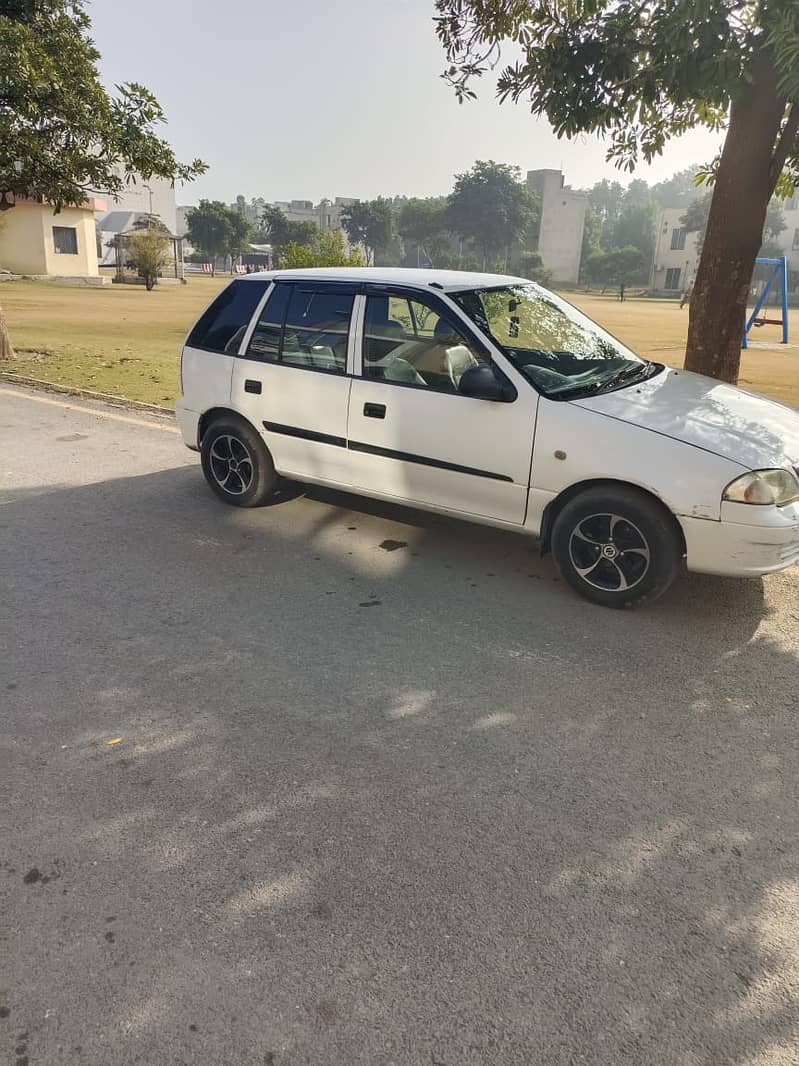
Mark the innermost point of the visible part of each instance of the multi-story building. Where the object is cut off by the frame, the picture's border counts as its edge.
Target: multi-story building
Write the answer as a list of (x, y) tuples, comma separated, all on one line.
[(676, 254), (252, 211), (329, 213), (298, 210), (561, 224)]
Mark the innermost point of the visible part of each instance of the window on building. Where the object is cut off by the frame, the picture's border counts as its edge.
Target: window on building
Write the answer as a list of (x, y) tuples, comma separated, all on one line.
[(65, 239), (790, 205), (222, 326), (678, 238), (673, 278), (300, 326), (795, 245)]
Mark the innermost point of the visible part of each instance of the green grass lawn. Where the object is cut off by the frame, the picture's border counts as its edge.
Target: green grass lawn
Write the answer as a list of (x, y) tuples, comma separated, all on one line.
[(122, 340), (118, 339)]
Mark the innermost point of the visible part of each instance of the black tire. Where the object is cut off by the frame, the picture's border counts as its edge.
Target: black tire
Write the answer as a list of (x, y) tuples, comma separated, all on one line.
[(616, 546), (237, 464)]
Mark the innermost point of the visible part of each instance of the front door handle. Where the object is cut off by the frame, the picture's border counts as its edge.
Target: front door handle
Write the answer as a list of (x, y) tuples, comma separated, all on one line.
[(252, 386), (374, 410)]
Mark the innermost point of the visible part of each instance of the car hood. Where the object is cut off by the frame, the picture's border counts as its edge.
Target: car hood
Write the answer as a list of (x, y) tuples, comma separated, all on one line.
[(738, 425)]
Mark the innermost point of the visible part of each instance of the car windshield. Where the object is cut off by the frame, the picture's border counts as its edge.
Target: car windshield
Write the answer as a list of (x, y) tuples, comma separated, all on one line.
[(559, 349)]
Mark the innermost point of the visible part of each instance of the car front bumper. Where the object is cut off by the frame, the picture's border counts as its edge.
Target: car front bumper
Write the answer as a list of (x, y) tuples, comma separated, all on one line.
[(763, 543)]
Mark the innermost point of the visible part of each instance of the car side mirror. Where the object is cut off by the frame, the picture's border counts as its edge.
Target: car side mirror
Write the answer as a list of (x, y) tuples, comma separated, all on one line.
[(482, 383)]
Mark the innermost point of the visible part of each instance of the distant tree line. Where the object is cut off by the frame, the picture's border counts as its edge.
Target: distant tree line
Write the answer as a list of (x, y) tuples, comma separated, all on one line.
[(489, 221)]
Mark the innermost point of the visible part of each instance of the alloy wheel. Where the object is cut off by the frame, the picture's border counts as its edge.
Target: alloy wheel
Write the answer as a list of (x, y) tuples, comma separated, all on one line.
[(609, 552), (231, 465)]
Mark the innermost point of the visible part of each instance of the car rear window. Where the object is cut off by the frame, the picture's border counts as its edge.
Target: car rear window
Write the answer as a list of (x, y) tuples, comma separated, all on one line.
[(223, 324)]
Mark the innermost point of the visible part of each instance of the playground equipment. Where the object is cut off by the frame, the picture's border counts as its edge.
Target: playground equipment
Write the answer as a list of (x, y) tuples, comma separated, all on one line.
[(779, 270)]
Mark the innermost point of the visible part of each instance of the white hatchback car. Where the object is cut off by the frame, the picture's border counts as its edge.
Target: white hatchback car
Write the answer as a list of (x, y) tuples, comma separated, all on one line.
[(491, 399)]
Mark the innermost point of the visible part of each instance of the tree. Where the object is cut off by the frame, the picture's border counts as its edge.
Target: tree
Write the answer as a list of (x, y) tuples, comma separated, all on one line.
[(280, 231), (696, 218), (639, 72), (620, 265), (635, 228), (605, 200), (490, 206), (148, 221), (696, 215), (61, 134), (326, 250), (148, 253), (592, 233), (531, 266), (424, 223), (637, 194), (240, 233), (370, 223), (678, 190), (210, 229)]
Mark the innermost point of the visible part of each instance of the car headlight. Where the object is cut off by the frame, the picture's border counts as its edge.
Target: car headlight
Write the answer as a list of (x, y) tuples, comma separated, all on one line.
[(766, 488)]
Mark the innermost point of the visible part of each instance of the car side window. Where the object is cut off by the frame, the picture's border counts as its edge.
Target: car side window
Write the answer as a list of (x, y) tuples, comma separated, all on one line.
[(221, 327), (303, 326), (409, 342), (268, 332)]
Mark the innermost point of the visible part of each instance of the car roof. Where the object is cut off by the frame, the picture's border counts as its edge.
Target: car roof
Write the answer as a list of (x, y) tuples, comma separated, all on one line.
[(448, 280)]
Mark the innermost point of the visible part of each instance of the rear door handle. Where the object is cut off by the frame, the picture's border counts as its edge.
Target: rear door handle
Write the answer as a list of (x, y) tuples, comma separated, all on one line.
[(252, 386), (374, 410)]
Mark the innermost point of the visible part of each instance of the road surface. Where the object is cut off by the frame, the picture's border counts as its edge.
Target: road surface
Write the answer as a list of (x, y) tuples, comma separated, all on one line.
[(276, 791)]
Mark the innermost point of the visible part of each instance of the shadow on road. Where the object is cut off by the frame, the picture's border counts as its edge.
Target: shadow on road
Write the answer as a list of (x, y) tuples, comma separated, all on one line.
[(382, 804)]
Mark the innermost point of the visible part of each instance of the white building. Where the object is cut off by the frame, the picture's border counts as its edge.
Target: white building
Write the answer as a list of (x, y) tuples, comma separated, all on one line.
[(676, 253), (298, 210), (252, 211), (788, 241), (562, 220), (329, 212), (181, 219), (153, 197)]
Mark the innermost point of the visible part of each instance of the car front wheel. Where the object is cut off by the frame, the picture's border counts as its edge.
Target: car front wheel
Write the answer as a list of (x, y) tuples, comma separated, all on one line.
[(237, 464), (616, 547)]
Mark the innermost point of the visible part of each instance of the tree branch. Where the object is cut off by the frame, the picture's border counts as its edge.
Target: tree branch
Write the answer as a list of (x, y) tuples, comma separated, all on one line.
[(784, 145)]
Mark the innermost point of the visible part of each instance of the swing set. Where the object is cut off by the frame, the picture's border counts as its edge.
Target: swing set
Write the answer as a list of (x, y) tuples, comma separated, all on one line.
[(778, 271)]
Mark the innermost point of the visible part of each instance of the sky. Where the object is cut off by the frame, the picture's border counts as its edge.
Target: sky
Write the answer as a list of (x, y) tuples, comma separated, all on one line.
[(304, 99)]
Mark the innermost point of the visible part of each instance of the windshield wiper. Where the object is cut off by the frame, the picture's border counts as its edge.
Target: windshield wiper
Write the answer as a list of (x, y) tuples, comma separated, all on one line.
[(627, 375)]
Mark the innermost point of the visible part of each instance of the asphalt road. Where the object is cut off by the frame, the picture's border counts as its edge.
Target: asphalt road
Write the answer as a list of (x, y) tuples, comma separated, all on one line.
[(275, 795)]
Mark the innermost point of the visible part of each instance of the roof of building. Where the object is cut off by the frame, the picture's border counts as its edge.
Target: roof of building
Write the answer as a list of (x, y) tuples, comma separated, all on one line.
[(118, 221), (449, 280)]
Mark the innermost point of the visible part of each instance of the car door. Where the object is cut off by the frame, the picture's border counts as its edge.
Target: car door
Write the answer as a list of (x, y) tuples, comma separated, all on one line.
[(412, 434), (292, 378)]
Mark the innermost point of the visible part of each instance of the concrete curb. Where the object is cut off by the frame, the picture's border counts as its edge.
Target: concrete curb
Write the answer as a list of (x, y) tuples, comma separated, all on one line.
[(87, 394)]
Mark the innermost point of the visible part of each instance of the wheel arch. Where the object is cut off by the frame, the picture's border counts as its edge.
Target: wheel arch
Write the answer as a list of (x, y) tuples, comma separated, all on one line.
[(555, 506), (213, 414)]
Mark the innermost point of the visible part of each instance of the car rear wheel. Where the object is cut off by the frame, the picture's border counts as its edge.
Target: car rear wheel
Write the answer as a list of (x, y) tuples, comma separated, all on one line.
[(616, 547), (237, 464)]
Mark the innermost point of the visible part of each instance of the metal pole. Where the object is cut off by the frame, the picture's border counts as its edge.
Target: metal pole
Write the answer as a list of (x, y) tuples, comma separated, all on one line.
[(785, 299)]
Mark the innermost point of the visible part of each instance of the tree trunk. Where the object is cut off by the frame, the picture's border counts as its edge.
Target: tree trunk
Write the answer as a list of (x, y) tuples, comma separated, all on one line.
[(6, 350), (735, 227)]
